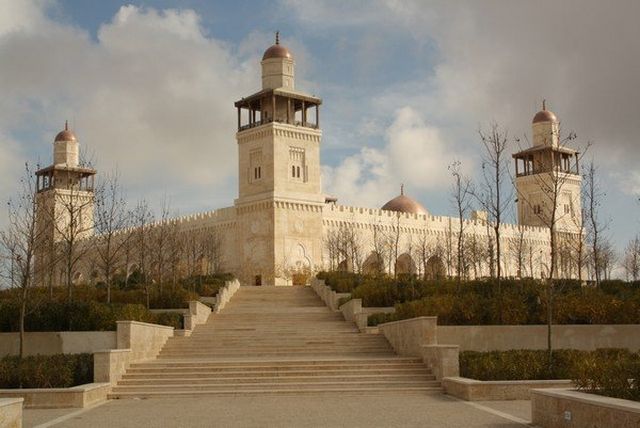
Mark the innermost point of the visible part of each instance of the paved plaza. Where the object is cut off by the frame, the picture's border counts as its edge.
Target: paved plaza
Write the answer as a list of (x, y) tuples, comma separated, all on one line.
[(434, 410)]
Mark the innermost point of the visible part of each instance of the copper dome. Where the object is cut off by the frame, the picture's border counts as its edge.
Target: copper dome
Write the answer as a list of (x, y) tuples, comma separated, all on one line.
[(544, 115), (404, 204), (65, 134), (277, 50)]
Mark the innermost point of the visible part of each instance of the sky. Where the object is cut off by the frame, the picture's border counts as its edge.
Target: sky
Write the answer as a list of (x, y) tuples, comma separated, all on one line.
[(149, 86)]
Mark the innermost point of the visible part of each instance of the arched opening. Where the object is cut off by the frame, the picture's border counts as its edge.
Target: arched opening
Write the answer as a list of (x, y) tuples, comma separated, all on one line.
[(405, 265), (434, 268), (373, 264)]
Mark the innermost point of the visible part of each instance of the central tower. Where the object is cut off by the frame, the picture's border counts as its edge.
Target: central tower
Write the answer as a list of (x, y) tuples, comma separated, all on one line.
[(279, 204)]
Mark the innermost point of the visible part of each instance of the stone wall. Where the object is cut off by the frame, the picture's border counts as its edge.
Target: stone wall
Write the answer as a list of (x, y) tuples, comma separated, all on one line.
[(11, 412), (555, 408), (57, 342), (407, 337), (502, 338)]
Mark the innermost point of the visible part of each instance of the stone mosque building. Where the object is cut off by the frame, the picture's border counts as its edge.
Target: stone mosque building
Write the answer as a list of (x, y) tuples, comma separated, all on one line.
[(282, 227)]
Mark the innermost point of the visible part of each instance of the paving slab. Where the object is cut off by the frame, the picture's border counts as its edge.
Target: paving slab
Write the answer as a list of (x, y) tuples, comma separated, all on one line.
[(286, 411)]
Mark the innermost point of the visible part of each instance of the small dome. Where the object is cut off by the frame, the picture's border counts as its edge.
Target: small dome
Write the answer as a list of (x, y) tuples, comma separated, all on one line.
[(544, 115), (277, 50), (65, 134), (404, 204)]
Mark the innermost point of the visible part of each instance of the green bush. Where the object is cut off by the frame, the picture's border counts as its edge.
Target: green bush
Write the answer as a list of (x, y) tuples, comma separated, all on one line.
[(613, 374), (46, 371), (524, 364), (479, 302), (81, 316)]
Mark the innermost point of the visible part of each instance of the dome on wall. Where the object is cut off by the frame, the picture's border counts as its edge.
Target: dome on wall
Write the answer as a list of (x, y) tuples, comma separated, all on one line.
[(404, 204)]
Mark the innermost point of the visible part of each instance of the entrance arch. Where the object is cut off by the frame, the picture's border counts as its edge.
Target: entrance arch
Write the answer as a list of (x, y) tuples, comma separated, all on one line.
[(405, 265), (373, 264), (434, 268)]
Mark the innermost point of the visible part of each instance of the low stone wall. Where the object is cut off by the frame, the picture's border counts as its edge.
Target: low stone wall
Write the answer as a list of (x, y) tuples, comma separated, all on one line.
[(59, 398), (225, 294), (476, 390), (444, 360), (328, 296), (407, 337), (57, 342), (198, 314), (503, 338), (555, 408), (11, 412), (136, 341)]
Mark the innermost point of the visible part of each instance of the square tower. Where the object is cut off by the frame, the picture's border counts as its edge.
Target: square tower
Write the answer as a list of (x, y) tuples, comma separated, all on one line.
[(548, 177), (280, 200)]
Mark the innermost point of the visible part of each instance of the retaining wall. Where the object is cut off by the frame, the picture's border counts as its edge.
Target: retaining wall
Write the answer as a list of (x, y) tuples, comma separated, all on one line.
[(502, 338), (57, 342)]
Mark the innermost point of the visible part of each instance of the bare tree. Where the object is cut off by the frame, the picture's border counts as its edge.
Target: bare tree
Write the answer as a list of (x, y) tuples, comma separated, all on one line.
[(551, 177), (70, 217), (143, 219), (461, 192), (212, 247), (112, 218), (491, 194), (20, 243), (631, 262), (159, 239), (595, 226)]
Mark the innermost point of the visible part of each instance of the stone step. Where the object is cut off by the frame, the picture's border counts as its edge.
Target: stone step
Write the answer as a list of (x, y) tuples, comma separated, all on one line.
[(279, 385), (359, 391), (271, 380), (204, 374)]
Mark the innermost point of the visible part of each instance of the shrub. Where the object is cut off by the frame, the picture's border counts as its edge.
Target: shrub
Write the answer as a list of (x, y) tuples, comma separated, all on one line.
[(46, 371), (81, 316), (613, 374), (534, 365), (479, 302)]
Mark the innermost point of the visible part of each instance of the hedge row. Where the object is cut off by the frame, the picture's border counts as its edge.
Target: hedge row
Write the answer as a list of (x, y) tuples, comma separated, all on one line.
[(81, 316), (610, 372), (46, 371), (480, 303)]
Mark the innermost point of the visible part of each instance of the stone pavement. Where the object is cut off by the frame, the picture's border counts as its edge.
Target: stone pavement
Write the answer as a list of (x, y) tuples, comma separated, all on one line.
[(345, 410)]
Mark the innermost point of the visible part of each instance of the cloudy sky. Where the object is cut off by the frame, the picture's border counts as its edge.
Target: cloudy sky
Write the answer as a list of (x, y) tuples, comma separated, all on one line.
[(149, 86)]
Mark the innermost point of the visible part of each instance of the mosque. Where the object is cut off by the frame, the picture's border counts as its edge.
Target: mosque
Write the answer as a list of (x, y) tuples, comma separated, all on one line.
[(282, 228)]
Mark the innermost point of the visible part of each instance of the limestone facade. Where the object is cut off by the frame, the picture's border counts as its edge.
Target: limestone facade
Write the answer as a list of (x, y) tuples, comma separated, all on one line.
[(281, 227)]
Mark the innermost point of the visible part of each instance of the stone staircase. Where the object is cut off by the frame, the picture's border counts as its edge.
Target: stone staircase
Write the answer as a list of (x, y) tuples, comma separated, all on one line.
[(275, 340)]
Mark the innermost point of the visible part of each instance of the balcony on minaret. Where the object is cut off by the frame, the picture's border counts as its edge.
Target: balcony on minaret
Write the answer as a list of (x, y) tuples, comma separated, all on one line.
[(280, 106), (545, 159)]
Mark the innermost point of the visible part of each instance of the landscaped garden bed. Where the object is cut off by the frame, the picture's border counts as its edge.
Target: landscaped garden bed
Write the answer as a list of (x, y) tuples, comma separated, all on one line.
[(478, 302), (46, 371)]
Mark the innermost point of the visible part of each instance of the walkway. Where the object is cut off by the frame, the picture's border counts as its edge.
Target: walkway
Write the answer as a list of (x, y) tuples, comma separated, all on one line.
[(290, 411)]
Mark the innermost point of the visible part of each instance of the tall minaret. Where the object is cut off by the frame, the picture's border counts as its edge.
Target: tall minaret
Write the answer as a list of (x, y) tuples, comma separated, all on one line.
[(545, 169), (65, 198), (279, 197)]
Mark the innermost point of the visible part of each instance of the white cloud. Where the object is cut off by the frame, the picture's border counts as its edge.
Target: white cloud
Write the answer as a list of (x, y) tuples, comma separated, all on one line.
[(153, 95), (414, 154)]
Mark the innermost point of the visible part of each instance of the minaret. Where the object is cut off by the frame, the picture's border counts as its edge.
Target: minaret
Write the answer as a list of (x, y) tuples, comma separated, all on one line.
[(279, 174), (543, 170), (65, 198)]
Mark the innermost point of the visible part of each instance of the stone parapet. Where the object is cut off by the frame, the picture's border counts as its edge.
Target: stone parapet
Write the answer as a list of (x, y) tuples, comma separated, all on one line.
[(407, 337), (555, 408), (57, 342), (11, 412), (476, 390), (225, 294), (505, 337), (58, 398), (443, 359)]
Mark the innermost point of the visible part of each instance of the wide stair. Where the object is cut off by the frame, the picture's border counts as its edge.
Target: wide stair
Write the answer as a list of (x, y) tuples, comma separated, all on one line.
[(275, 340)]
